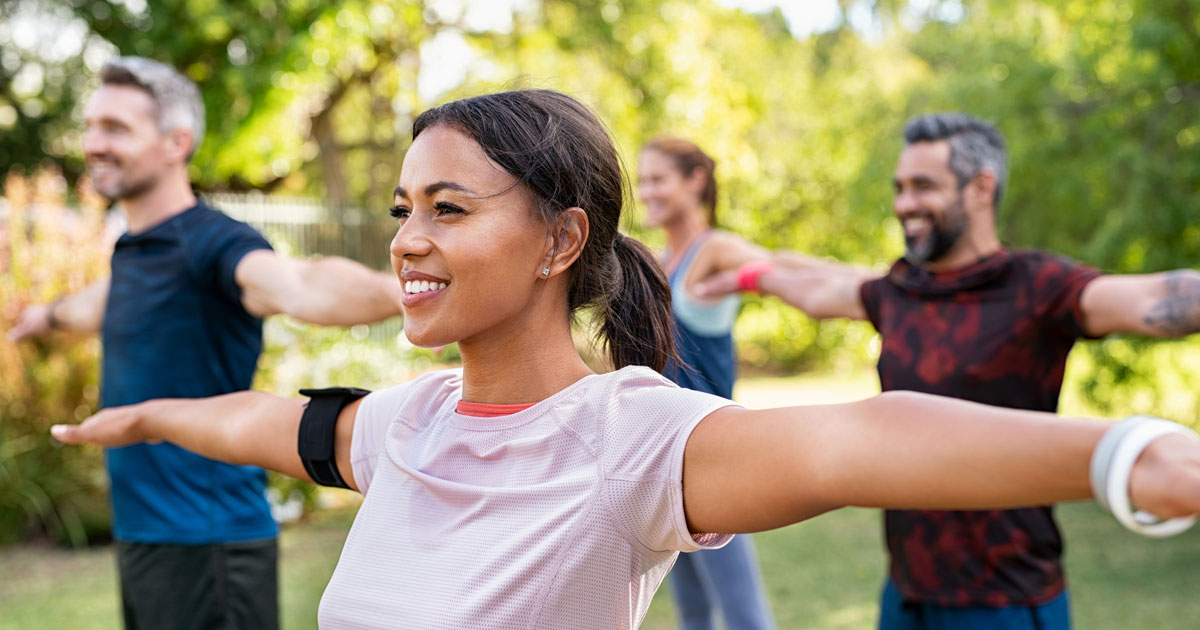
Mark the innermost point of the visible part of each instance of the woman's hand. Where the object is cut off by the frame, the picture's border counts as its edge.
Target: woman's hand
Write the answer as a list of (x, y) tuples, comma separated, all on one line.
[(111, 427), (242, 428), (1166, 478)]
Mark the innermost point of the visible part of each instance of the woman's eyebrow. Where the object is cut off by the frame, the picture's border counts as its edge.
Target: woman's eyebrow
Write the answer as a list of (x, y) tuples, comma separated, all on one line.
[(434, 188)]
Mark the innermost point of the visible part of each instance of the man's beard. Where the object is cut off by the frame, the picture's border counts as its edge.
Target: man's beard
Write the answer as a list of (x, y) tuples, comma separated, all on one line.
[(124, 188), (942, 235)]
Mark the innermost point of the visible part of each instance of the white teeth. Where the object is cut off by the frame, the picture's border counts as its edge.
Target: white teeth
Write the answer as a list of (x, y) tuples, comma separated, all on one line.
[(916, 224), (421, 286)]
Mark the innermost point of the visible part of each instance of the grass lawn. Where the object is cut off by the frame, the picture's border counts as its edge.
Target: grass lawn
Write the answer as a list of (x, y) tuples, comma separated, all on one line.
[(823, 574)]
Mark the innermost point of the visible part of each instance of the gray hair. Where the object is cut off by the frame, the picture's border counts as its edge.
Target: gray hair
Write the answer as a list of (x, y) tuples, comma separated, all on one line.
[(177, 98), (974, 145)]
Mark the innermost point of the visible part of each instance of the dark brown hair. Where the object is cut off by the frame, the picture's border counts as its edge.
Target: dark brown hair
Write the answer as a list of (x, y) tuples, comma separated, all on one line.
[(561, 152), (687, 158)]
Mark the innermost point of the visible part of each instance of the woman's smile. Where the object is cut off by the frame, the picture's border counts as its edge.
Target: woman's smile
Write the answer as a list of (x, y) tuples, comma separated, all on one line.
[(420, 288)]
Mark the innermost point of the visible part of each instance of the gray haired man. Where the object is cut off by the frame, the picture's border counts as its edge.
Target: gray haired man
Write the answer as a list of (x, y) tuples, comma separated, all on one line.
[(181, 317)]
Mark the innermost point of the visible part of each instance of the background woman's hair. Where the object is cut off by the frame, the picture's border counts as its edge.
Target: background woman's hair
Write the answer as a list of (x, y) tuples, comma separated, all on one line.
[(564, 156), (687, 158)]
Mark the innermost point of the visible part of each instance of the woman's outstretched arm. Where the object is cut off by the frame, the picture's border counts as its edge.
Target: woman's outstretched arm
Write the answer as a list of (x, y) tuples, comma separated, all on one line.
[(250, 428), (747, 470)]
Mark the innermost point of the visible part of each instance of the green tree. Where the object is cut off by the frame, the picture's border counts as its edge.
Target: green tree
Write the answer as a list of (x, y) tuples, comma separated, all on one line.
[(1099, 102)]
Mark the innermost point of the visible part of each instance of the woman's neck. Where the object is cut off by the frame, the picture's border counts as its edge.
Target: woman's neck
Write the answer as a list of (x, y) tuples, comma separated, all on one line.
[(521, 365), (681, 233)]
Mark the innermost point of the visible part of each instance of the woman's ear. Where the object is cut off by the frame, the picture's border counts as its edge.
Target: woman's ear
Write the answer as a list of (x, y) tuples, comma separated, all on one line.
[(697, 180), (565, 244)]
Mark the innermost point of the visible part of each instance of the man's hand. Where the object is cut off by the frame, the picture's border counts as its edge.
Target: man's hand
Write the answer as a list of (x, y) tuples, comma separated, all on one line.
[(34, 321), (718, 285), (79, 312)]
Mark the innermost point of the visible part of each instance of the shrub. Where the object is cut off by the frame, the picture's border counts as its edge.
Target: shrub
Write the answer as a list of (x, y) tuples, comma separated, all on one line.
[(47, 250)]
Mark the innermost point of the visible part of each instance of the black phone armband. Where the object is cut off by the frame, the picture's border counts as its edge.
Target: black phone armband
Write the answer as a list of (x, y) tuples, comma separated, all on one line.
[(318, 425)]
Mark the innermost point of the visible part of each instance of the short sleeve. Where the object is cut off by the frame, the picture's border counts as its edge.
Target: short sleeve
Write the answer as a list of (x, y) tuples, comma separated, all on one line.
[(241, 241), (375, 414), (216, 244), (1058, 284), (868, 293), (647, 426)]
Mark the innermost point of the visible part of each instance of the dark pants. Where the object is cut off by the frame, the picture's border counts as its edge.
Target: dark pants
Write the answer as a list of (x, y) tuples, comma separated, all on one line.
[(897, 614), (223, 586)]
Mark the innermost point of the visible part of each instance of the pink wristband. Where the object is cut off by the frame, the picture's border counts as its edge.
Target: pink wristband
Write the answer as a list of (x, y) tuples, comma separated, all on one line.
[(748, 274)]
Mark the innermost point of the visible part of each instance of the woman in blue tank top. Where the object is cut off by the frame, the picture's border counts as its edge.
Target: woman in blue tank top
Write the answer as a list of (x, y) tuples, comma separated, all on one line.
[(677, 187)]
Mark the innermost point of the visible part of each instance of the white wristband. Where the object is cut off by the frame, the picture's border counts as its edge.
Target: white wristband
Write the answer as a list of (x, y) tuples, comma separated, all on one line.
[(1111, 465)]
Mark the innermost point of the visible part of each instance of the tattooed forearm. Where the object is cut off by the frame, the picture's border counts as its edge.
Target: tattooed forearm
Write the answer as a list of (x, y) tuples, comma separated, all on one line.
[(1178, 312)]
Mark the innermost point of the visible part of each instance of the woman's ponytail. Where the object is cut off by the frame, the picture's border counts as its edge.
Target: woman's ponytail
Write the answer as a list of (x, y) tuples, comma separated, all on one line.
[(636, 316)]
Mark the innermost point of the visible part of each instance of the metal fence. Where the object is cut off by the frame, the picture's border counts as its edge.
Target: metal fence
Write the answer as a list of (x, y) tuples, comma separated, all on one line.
[(303, 227)]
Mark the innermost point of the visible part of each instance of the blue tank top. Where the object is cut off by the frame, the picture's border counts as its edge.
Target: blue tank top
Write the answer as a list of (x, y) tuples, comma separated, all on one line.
[(703, 334)]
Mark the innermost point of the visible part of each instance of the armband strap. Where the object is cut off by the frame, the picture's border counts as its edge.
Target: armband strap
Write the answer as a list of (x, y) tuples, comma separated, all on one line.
[(318, 426)]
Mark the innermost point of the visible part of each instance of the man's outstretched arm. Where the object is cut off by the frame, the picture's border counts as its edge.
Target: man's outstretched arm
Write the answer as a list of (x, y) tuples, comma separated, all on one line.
[(329, 291), (1163, 304), (80, 312)]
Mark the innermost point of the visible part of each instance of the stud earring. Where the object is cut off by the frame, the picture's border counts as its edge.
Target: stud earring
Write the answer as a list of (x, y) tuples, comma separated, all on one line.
[(545, 271)]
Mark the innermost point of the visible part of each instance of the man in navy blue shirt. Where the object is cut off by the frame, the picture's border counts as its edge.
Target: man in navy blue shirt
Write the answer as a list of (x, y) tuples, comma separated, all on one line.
[(181, 317)]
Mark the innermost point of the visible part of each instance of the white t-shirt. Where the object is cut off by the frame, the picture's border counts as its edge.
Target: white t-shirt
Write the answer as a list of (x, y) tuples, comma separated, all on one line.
[(566, 515)]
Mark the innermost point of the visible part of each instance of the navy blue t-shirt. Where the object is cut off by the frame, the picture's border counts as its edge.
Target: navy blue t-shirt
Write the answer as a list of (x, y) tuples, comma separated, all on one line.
[(175, 327)]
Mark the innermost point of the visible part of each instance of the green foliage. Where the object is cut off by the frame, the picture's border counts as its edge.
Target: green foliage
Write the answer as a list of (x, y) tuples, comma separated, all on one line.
[(45, 251), (284, 85), (1116, 377)]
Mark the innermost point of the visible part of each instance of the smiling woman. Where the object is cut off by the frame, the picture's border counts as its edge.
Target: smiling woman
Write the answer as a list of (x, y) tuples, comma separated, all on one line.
[(677, 185), (526, 491), (488, 200)]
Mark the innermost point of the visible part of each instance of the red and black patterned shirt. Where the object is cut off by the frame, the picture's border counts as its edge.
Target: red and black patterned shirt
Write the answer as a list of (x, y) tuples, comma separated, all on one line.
[(996, 332)]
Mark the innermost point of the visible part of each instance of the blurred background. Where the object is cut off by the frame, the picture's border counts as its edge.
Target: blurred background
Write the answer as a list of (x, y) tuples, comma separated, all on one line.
[(309, 109)]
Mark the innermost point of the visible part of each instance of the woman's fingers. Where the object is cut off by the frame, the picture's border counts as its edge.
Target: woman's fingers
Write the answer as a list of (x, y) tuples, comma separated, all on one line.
[(110, 427), (66, 433), (1165, 481)]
